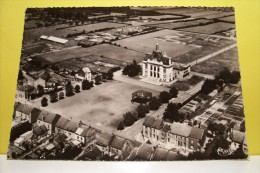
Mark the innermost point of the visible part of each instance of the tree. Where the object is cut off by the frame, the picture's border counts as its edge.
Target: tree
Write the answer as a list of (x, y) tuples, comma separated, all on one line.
[(98, 80), (208, 86), (165, 96), (20, 75), (196, 156), (154, 103), (222, 143), (40, 90), (174, 92), (129, 118), (225, 75), (171, 113), (142, 110), (132, 70), (85, 85), (44, 102), (77, 88), (121, 126), (110, 75), (69, 89), (234, 77), (61, 95), (53, 97)]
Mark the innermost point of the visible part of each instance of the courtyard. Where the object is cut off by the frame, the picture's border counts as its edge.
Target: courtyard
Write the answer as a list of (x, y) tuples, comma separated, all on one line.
[(102, 106)]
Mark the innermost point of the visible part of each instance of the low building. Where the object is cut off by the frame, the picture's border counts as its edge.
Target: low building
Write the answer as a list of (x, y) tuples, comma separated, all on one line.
[(40, 131), (84, 74), (86, 135), (49, 120), (103, 141), (37, 80), (23, 112), (23, 93), (239, 139)]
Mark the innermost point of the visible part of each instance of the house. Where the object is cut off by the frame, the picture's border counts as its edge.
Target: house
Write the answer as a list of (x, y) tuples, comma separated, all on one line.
[(70, 129), (176, 135), (161, 154), (40, 131), (238, 139), (24, 137), (49, 120), (23, 112), (103, 141), (117, 145), (158, 67), (86, 135), (84, 74), (37, 79), (143, 153), (23, 93), (59, 127)]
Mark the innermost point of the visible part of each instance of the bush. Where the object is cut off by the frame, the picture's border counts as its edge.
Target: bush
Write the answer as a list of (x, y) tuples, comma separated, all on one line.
[(77, 88), (121, 126), (44, 102), (174, 92), (130, 118), (142, 110), (154, 103), (165, 97), (53, 97), (61, 95)]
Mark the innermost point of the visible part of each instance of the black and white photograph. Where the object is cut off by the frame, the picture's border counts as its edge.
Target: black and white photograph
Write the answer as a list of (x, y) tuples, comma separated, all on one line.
[(128, 84)]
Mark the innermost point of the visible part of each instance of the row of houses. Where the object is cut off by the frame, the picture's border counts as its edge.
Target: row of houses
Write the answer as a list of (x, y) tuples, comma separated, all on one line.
[(175, 135), (47, 123)]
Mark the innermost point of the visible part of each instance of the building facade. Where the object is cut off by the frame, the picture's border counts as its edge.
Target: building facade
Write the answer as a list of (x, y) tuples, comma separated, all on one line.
[(159, 67)]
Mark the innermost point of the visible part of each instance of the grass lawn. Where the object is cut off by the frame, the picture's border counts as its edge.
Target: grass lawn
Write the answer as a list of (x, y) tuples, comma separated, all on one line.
[(215, 64), (106, 50), (102, 105)]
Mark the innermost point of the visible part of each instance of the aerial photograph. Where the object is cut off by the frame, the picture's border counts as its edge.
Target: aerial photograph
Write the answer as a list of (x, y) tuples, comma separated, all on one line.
[(128, 84)]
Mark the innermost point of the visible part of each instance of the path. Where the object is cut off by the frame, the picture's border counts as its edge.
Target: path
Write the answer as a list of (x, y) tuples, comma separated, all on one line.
[(211, 55), (119, 77), (207, 76)]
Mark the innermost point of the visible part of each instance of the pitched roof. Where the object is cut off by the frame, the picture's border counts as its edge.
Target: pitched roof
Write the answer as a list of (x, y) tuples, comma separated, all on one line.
[(86, 70), (39, 130), (144, 152), (118, 143), (71, 126), (45, 76), (160, 154), (34, 114), (157, 124), (238, 136), (88, 131), (61, 122), (197, 133), (48, 117), (172, 156), (180, 129), (148, 121), (103, 139), (26, 109)]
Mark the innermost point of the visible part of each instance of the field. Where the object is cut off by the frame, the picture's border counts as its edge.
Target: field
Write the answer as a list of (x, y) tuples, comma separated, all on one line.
[(228, 19), (182, 24), (182, 47), (32, 34), (210, 28), (160, 17), (103, 105), (214, 65), (168, 40), (104, 50)]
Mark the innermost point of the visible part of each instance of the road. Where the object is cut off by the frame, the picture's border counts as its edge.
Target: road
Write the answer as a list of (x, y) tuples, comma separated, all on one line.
[(211, 55), (207, 76)]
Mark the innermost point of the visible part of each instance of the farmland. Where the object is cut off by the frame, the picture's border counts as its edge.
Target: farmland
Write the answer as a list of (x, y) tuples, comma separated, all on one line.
[(32, 34), (214, 65), (182, 47), (228, 19), (210, 28), (182, 23), (160, 17), (103, 50), (169, 41)]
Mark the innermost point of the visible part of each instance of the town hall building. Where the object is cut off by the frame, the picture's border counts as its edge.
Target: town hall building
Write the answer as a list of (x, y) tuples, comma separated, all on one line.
[(158, 67)]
